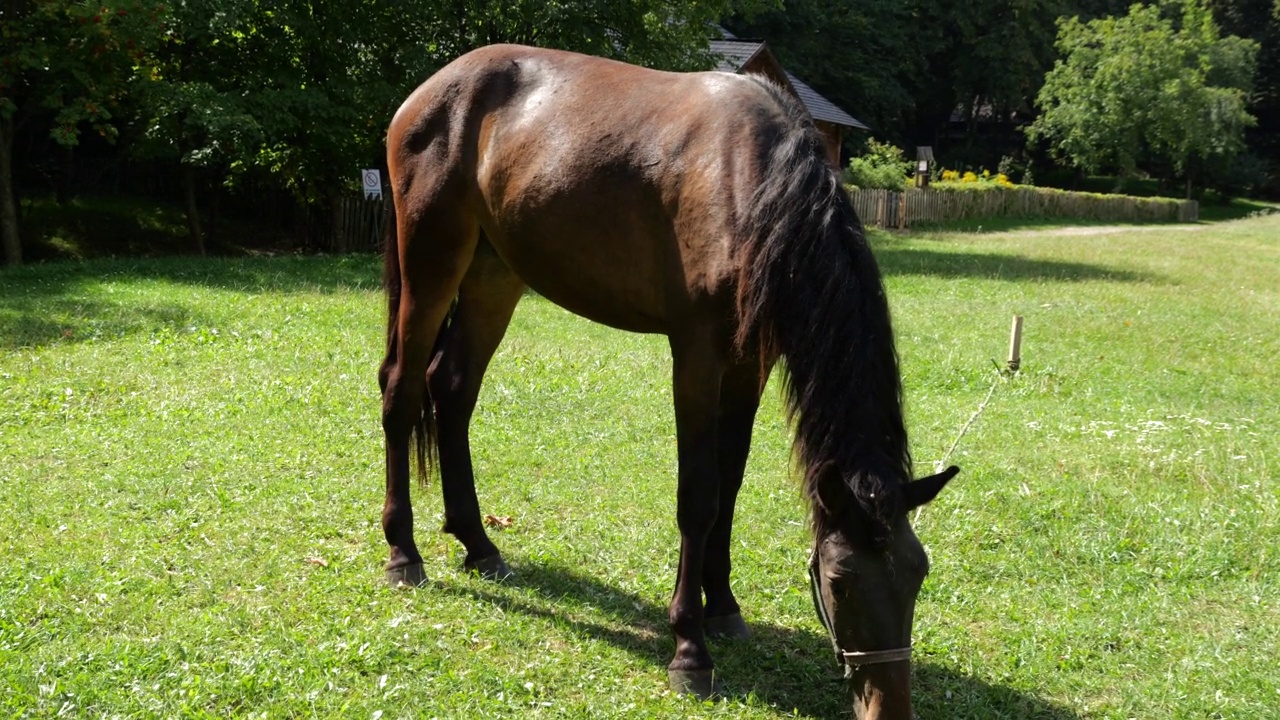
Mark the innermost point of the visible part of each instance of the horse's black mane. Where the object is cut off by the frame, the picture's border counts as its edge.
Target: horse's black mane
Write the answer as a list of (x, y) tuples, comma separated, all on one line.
[(810, 292)]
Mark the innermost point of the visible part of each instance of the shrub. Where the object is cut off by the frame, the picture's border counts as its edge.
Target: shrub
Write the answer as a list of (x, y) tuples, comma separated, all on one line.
[(969, 179), (1245, 176), (882, 166)]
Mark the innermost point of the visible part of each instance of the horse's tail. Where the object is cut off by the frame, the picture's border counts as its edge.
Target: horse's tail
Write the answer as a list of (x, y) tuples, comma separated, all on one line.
[(423, 439)]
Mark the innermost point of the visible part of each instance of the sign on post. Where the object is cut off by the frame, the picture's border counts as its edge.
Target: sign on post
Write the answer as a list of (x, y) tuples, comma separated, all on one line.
[(372, 181)]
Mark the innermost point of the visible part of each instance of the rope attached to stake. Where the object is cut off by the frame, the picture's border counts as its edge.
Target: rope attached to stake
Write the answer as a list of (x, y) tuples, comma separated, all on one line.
[(942, 464), (1011, 368)]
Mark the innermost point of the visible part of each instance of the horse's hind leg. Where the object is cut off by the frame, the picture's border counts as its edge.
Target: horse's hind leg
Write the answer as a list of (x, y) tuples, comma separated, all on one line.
[(436, 244), (739, 400), (486, 300)]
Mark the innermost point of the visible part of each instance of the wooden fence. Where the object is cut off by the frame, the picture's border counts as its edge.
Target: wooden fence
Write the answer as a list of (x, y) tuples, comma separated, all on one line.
[(358, 222), (357, 225), (893, 209)]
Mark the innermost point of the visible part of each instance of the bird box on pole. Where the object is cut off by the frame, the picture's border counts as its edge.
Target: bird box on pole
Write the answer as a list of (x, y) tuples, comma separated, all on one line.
[(924, 164)]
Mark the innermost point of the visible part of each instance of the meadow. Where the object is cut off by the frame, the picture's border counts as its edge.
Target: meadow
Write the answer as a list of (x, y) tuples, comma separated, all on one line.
[(191, 480)]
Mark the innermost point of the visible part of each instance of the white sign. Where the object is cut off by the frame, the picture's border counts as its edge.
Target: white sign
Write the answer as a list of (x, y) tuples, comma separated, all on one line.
[(923, 166), (372, 181)]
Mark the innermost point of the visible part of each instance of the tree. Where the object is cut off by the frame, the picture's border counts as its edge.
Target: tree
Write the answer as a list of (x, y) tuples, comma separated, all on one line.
[(298, 90), (985, 59), (859, 55), (1259, 20), (654, 33), (906, 67), (70, 61), (1146, 88), (304, 89), (191, 113)]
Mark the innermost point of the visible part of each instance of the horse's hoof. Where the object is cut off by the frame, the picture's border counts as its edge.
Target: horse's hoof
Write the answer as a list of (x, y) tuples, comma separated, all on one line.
[(730, 627), (701, 684), (406, 575), (489, 568)]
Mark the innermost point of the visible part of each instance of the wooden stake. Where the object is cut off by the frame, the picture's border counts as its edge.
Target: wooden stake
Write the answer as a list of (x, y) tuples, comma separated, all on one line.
[(1015, 344)]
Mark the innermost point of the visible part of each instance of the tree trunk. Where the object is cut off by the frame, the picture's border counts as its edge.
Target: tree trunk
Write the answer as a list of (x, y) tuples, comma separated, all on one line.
[(1188, 184), (193, 212), (8, 208)]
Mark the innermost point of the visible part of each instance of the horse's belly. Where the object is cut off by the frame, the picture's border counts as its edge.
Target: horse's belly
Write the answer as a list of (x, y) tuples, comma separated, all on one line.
[(606, 281)]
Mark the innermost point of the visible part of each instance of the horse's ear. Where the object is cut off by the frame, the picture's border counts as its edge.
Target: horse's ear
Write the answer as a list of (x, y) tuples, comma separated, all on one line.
[(915, 494), (828, 488)]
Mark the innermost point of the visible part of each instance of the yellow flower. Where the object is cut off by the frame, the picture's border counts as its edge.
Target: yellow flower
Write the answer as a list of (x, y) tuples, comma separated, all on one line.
[(969, 177)]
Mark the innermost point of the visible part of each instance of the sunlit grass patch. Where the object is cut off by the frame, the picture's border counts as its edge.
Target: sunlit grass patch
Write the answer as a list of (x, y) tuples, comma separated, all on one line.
[(191, 480)]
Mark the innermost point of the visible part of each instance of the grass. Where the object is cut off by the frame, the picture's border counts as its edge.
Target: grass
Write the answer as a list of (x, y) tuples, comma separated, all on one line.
[(1009, 224), (190, 472)]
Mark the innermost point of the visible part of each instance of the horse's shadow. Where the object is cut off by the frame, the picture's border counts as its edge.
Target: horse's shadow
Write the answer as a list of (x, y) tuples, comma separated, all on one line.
[(1004, 266), (789, 669), (64, 302)]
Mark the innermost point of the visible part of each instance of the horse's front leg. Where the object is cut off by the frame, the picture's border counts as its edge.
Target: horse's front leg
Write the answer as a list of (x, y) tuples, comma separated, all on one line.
[(739, 398), (698, 372)]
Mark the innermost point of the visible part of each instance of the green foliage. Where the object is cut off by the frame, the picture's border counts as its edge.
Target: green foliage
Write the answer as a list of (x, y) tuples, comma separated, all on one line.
[(74, 60), (1141, 89), (972, 198), (70, 63), (1245, 176), (984, 58), (299, 91), (856, 54), (904, 67), (881, 166), (654, 33), (303, 89)]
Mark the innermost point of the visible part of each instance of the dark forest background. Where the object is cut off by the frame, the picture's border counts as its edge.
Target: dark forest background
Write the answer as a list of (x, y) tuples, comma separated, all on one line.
[(237, 123)]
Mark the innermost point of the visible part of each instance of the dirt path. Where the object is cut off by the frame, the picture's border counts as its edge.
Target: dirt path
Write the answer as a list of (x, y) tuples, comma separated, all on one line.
[(1102, 230)]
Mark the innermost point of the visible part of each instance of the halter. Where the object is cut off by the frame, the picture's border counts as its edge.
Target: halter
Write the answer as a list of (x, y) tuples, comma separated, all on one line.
[(852, 659)]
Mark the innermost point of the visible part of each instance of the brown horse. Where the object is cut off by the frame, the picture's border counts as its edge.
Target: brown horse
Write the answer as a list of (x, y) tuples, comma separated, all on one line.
[(698, 206)]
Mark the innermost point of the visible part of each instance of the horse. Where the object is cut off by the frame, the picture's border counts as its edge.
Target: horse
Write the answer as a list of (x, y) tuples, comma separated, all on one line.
[(700, 206)]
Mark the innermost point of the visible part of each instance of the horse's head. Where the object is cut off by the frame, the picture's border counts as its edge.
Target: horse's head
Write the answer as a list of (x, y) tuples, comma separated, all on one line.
[(866, 570)]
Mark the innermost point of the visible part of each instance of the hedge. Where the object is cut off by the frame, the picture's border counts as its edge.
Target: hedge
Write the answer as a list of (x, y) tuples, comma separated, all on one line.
[(945, 202)]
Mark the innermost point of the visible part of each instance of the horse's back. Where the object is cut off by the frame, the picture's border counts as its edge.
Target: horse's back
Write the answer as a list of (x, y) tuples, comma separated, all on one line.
[(611, 189)]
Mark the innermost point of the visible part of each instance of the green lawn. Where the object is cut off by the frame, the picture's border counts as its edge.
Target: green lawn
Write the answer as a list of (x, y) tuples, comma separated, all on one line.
[(191, 471)]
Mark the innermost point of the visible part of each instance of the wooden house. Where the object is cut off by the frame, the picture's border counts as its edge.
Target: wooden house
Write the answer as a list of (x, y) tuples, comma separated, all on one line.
[(754, 56)]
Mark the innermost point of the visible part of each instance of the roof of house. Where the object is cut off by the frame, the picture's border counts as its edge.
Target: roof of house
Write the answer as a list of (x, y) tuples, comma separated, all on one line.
[(733, 54)]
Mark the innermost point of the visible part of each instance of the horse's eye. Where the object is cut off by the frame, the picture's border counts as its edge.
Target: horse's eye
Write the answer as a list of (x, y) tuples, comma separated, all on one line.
[(839, 576)]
